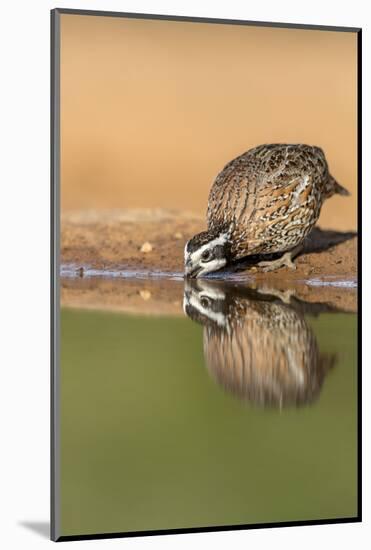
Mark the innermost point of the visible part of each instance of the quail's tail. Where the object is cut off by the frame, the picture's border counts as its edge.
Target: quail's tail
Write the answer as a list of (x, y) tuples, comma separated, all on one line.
[(337, 188)]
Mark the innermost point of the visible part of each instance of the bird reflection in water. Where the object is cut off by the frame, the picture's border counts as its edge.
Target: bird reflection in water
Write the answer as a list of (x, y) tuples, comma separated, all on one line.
[(257, 346)]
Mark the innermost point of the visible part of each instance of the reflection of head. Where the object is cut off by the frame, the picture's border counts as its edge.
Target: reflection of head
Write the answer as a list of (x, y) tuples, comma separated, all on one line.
[(259, 350)]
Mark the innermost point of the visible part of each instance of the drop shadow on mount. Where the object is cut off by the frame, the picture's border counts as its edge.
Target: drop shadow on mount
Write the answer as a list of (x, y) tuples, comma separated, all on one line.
[(42, 528)]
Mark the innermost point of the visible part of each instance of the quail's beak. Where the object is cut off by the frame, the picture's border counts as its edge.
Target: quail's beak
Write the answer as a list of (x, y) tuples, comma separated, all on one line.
[(191, 270)]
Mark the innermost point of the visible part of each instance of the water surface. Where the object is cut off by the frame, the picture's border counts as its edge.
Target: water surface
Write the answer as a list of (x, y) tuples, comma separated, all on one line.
[(241, 411)]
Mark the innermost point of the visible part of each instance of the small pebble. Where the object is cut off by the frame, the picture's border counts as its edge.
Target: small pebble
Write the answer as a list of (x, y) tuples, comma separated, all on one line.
[(145, 294), (253, 269), (146, 247), (178, 235)]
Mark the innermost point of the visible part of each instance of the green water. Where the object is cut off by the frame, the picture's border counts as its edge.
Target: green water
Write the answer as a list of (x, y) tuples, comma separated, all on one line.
[(149, 440)]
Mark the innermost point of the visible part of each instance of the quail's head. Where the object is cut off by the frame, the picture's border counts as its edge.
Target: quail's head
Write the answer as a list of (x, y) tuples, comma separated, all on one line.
[(206, 252)]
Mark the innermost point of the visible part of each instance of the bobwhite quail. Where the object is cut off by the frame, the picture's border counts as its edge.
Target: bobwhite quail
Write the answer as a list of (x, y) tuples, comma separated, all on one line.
[(263, 202), (257, 347)]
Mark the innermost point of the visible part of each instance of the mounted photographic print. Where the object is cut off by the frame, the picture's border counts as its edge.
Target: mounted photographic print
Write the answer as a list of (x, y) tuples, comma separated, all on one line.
[(205, 182)]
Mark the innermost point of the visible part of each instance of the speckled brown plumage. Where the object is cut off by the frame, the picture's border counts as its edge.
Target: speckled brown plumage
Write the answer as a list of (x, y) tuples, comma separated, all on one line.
[(270, 197)]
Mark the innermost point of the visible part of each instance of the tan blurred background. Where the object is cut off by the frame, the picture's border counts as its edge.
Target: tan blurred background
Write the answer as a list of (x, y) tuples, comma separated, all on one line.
[(151, 111)]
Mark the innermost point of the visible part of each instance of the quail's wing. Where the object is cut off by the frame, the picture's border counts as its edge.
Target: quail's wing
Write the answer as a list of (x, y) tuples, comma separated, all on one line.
[(231, 196), (254, 179), (270, 192), (289, 179)]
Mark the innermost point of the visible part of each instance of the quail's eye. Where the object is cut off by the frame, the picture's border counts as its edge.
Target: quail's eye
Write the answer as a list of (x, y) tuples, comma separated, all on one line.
[(205, 302), (206, 255)]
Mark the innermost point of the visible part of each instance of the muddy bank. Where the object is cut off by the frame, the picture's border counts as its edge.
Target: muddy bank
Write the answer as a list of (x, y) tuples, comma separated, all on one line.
[(149, 245), (113, 240)]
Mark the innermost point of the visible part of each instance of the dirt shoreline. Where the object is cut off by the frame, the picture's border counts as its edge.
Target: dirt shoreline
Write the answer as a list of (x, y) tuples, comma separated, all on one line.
[(111, 242)]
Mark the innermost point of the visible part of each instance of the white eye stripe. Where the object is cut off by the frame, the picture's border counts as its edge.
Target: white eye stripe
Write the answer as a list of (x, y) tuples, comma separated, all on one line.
[(220, 240)]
